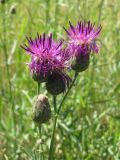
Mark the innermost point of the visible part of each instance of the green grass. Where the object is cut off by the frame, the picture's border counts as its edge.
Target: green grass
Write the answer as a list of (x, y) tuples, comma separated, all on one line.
[(89, 124)]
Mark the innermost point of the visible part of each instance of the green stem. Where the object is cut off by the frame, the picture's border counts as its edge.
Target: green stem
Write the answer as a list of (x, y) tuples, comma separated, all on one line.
[(56, 117), (75, 77), (40, 127), (8, 75), (55, 121), (38, 89), (54, 104), (47, 11), (41, 145), (52, 139)]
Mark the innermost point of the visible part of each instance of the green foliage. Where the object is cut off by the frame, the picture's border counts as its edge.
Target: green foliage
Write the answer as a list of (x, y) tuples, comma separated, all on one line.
[(89, 124)]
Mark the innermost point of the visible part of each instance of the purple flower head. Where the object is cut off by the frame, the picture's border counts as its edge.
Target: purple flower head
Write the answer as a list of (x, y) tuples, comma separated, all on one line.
[(47, 56), (82, 38)]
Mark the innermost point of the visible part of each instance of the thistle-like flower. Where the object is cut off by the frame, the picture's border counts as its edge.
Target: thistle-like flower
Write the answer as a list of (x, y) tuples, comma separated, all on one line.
[(82, 41), (47, 56)]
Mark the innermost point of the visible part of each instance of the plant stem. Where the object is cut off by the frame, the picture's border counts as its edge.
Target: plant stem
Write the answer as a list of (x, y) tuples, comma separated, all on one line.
[(75, 77), (8, 75), (54, 127), (47, 11), (52, 139), (56, 117), (41, 147), (38, 89), (40, 127), (54, 104)]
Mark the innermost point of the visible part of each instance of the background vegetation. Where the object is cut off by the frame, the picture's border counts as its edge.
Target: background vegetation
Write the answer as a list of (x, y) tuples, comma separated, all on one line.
[(89, 125)]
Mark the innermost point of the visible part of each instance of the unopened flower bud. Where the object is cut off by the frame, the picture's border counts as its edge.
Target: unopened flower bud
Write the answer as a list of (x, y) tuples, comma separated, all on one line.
[(57, 83), (81, 63), (41, 109)]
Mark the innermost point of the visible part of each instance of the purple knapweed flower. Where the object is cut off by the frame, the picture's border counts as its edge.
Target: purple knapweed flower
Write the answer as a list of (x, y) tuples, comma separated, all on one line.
[(81, 42), (82, 37), (47, 56)]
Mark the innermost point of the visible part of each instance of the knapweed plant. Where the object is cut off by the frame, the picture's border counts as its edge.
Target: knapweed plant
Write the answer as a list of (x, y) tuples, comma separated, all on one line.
[(50, 63)]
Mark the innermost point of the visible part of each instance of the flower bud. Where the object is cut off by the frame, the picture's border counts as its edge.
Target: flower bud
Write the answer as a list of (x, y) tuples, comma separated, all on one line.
[(57, 83), (81, 63), (41, 109)]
